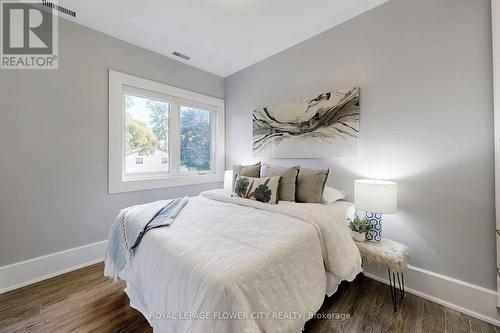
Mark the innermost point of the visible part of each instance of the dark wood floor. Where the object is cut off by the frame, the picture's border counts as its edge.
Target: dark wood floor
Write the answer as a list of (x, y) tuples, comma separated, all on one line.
[(85, 301)]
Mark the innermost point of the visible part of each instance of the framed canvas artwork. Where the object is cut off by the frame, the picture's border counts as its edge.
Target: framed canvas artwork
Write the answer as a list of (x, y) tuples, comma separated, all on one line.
[(323, 126)]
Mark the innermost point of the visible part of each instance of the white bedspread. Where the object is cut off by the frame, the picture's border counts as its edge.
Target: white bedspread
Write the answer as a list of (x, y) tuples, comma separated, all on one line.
[(224, 256)]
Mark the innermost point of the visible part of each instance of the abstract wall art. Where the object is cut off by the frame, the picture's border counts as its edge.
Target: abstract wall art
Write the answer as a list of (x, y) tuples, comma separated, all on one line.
[(323, 126)]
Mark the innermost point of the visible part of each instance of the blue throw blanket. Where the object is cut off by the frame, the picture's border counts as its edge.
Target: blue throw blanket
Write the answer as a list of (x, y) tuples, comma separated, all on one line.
[(130, 227)]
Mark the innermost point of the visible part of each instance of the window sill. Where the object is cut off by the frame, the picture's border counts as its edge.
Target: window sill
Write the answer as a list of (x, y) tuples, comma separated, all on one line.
[(129, 185)]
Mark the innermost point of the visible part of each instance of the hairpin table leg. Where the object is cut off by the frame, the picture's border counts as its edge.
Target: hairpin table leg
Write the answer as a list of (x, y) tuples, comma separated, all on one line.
[(394, 288)]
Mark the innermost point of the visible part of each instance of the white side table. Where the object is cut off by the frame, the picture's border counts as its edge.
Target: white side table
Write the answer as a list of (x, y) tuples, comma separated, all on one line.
[(395, 257)]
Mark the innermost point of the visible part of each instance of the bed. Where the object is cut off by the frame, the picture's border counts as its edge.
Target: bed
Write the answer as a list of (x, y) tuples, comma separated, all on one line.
[(229, 264)]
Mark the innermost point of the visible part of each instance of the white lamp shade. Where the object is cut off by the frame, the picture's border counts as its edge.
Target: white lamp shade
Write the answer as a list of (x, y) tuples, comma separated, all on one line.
[(377, 196), (228, 180)]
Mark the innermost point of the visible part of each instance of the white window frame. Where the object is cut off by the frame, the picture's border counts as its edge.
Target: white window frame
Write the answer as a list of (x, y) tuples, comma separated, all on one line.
[(120, 84)]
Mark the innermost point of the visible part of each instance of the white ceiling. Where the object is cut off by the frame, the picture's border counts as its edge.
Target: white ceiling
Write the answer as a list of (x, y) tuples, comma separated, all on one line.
[(220, 36)]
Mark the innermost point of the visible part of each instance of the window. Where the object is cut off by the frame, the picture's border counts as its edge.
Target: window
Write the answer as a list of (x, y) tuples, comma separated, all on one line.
[(146, 134), (196, 139), (162, 136)]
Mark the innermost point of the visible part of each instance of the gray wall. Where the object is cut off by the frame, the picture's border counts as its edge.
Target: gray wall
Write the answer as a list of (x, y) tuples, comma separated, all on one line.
[(424, 68), (54, 145)]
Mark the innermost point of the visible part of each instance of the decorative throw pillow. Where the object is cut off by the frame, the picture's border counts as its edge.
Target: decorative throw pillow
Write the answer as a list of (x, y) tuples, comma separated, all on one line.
[(330, 195), (261, 189), (310, 185), (252, 170), (286, 188)]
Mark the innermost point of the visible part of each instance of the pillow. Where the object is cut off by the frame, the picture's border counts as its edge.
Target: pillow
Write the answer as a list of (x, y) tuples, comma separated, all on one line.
[(286, 188), (263, 189), (330, 195), (252, 170), (310, 185)]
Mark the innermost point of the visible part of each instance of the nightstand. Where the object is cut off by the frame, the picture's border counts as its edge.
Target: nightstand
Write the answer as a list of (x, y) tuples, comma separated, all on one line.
[(395, 257)]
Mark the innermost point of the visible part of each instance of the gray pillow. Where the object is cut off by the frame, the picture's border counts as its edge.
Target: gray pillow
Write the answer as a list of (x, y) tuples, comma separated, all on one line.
[(310, 185), (286, 189), (252, 170)]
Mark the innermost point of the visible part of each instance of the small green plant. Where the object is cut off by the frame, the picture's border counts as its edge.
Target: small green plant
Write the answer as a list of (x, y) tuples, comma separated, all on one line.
[(360, 225)]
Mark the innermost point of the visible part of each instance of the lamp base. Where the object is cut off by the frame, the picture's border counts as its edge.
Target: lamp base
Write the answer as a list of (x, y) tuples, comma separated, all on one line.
[(376, 220)]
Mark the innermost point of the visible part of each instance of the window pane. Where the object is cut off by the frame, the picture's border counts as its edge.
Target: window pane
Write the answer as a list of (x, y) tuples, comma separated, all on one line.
[(146, 141), (196, 141)]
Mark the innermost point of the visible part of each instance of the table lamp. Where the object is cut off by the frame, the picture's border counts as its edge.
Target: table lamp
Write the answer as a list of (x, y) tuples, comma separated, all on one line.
[(375, 197)]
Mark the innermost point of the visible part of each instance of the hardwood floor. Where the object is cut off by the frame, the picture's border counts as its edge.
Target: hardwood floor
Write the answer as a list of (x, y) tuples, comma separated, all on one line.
[(85, 301)]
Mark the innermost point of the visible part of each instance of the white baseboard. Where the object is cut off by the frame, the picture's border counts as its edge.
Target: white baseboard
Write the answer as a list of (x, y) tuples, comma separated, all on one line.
[(26, 272), (462, 296), (465, 297)]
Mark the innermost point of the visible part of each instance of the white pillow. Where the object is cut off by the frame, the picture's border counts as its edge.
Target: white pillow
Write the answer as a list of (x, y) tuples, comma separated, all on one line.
[(228, 180), (330, 195)]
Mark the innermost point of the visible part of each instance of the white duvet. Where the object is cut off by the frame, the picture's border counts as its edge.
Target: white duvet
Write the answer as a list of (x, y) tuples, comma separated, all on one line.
[(266, 266)]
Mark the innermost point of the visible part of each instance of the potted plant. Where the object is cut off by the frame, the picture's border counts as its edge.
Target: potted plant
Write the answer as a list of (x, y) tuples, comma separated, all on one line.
[(359, 228)]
